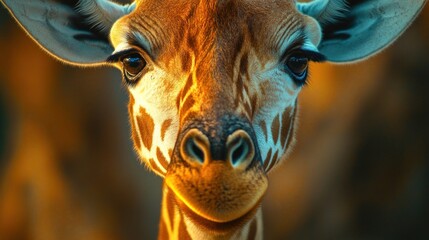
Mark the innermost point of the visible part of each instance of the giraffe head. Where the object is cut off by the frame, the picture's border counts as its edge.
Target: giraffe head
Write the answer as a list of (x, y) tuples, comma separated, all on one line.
[(213, 84), (213, 92)]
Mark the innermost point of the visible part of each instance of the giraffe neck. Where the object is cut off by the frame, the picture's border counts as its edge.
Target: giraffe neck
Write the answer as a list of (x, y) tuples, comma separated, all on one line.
[(177, 222)]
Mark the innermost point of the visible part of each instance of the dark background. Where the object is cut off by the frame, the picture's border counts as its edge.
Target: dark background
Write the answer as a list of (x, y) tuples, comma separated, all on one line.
[(360, 169)]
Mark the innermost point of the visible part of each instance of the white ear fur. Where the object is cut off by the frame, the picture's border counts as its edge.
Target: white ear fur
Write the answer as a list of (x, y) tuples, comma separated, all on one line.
[(102, 14), (74, 35), (313, 30), (355, 30), (324, 11)]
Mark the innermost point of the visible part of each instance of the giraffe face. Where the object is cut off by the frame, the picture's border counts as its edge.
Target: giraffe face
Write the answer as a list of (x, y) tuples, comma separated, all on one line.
[(213, 91)]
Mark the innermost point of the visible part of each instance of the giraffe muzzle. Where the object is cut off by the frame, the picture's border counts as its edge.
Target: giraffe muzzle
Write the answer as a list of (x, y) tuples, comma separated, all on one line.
[(239, 149), (216, 169)]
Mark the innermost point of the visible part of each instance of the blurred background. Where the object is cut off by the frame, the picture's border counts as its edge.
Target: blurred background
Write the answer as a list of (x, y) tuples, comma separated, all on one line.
[(360, 169)]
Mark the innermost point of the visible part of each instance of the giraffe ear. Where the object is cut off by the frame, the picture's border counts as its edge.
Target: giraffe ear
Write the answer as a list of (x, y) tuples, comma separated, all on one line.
[(75, 33), (357, 29)]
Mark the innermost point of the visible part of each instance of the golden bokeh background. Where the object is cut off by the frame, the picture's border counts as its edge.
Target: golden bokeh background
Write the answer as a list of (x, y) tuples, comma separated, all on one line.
[(360, 169)]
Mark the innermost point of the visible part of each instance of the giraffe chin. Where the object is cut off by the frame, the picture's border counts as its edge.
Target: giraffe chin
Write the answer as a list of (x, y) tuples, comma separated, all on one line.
[(216, 191)]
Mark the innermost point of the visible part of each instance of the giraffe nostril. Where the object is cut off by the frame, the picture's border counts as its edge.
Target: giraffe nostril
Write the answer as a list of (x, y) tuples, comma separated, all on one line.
[(194, 150), (195, 147), (240, 149)]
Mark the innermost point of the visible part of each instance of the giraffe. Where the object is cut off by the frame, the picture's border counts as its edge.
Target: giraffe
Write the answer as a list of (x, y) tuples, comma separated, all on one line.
[(213, 86)]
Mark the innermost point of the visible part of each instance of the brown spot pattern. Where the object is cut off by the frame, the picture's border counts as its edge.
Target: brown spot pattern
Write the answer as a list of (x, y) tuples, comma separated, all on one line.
[(244, 62), (191, 41), (188, 104), (275, 128), (239, 89), (132, 101), (165, 125), (161, 158), (146, 126), (154, 167), (267, 159), (186, 61), (188, 85), (134, 133), (183, 231), (163, 232), (286, 125), (273, 161), (254, 102), (178, 99), (291, 130)]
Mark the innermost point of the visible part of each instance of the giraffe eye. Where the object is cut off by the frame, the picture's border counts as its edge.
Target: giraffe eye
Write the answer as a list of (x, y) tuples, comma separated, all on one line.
[(297, 63), (132, 65)]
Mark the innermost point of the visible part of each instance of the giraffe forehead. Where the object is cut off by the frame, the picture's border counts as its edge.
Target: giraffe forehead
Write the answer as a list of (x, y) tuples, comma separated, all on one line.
[(203, 26)]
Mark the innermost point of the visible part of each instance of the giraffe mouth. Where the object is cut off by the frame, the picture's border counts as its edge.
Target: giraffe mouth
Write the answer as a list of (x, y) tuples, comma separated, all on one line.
[(217, 192), (218, 227)]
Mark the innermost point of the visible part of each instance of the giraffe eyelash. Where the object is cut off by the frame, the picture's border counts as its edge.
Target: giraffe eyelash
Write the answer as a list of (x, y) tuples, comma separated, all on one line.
[(302, 44), (314, 56), (116, 57)]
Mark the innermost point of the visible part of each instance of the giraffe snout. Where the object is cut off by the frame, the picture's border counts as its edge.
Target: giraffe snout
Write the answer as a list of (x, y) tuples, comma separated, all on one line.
[(216, 169), (238, 149)]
